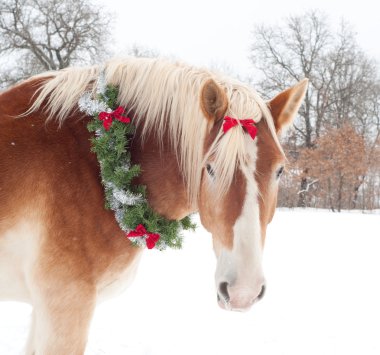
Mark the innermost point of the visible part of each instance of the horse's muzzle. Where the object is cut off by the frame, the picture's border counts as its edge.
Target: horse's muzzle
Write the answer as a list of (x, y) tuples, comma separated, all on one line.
[(237, 298)]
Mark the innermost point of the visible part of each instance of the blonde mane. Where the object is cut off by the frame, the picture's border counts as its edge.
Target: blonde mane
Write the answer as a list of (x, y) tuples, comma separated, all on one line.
[(165, 96)]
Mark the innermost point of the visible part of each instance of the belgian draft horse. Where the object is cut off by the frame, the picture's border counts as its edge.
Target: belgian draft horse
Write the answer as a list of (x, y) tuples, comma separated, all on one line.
[(63, 252)]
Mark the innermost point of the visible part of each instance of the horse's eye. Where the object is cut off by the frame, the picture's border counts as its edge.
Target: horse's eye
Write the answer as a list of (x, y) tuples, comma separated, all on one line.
[(279, 172), (210, 170)]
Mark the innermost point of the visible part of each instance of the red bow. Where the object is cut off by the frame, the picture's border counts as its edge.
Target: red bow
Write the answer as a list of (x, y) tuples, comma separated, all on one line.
[(140, 231), (248, 125), (108, 117)]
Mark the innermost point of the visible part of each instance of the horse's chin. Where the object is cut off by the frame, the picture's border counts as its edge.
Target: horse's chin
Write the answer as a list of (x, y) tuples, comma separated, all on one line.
[(228, 307)]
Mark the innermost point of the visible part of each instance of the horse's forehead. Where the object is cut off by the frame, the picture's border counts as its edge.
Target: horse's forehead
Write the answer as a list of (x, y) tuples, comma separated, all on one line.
[(246, 171), (251, 155), (261, 158)]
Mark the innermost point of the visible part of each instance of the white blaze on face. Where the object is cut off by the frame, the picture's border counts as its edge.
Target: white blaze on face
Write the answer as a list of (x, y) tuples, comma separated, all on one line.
[(241, 267)]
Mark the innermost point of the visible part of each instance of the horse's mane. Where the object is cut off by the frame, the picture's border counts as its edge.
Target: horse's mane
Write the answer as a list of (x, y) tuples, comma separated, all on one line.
[(165, 97)]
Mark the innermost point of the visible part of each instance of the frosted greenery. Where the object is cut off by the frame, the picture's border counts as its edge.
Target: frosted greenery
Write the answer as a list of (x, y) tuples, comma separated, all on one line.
[(122, 195)]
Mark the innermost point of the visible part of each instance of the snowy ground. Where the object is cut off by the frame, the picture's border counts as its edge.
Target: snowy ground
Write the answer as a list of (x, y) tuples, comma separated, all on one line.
[(323, 297)]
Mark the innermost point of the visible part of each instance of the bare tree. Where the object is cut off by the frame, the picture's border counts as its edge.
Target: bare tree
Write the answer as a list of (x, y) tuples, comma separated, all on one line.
[(288, 53), (40, 35)]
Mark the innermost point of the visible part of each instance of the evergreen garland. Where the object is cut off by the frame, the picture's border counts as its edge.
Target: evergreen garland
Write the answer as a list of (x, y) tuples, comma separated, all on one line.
[(127, 200)]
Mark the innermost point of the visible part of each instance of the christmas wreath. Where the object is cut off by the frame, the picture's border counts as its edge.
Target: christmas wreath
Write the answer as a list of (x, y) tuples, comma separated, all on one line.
[(113, 130)]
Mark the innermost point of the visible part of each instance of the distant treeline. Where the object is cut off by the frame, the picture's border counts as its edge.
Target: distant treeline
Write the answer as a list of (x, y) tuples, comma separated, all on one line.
[(334, 148)]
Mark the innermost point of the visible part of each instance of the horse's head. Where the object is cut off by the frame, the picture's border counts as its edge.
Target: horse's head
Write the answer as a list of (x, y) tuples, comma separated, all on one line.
[(238, 214)]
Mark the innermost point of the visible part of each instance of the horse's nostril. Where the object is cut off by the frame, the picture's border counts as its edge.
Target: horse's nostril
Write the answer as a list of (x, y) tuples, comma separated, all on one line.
[(223, 291), (262, 293)]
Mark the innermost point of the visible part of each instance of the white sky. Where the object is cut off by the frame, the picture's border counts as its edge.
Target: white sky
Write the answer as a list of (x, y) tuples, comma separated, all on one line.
[(219, 32)]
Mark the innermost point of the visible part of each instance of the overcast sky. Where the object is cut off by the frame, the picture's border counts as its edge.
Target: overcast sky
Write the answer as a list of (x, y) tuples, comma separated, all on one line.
[(219, 32)]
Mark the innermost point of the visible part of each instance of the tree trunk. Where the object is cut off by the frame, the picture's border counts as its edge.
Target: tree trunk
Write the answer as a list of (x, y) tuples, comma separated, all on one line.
[(356, 192), (340, 192), (330, 195), (302, 195)]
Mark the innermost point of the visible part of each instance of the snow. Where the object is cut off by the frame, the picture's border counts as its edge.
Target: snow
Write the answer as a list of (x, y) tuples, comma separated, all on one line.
[(323, 297)]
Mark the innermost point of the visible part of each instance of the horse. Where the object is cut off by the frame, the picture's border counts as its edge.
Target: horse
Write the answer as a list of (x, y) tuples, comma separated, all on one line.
[(63, 252)]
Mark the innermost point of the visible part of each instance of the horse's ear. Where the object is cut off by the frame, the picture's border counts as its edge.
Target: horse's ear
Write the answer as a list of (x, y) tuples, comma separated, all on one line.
[(285, 105), (214, 101)]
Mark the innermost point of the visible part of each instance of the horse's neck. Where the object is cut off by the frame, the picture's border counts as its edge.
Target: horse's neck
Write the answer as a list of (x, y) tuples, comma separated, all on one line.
[(161, 174), (160, 171)]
